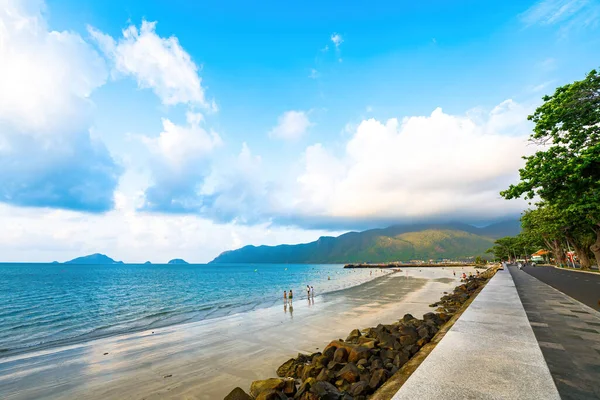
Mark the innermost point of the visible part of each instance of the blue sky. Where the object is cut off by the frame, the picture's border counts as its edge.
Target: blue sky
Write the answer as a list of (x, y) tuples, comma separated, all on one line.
[(183, 129)]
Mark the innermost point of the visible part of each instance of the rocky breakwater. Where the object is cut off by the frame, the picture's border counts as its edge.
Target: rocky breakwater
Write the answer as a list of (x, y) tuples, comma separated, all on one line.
[(354, 368)]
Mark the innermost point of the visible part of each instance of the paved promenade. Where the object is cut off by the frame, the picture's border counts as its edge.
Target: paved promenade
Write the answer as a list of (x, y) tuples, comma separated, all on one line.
[(491, 352), (567, 331), (584, 287)]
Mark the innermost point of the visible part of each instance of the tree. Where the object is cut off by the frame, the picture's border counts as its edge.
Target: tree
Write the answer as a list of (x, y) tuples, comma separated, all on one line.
[(566, 174), (504, 248), (545, 226)]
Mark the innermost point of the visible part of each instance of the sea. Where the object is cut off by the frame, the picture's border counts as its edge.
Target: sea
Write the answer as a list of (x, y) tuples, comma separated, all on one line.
[(47, 305)]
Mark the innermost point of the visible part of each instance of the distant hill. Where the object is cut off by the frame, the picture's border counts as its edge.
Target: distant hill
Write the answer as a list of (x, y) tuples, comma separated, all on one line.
[(177, 261), (96, 258), (395, 243)]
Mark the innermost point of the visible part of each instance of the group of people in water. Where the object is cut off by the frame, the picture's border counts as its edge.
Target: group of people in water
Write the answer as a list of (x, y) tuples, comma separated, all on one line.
[(310, 293)]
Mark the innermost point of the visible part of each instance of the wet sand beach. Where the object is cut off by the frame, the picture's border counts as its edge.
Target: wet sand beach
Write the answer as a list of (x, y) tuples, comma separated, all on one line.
[(207, 359)]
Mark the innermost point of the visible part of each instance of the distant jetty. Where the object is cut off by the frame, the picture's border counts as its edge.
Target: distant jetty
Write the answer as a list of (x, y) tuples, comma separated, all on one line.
[(400, 264)]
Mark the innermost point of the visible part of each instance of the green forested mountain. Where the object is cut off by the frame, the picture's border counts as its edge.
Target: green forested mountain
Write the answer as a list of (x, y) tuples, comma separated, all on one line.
[(395, 243)]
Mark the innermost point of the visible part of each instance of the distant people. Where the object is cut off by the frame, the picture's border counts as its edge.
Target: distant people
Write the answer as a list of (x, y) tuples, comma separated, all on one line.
[(285, 297), (308, 291), (291, 296), (312, 292)]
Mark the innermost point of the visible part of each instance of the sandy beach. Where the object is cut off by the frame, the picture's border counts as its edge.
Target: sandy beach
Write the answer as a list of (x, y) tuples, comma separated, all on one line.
[(206, 360)]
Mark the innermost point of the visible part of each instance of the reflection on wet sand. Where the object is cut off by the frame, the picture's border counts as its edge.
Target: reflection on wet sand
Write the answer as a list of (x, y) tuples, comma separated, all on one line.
[(207, 359)]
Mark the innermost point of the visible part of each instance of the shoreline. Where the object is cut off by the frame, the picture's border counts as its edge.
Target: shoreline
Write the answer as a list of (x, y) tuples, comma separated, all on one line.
[(213, 314), (204, 359), (373, 358)]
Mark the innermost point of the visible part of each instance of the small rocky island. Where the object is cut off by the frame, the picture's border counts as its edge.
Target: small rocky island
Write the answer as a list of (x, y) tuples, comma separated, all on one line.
[(95, 258), (177, 261)]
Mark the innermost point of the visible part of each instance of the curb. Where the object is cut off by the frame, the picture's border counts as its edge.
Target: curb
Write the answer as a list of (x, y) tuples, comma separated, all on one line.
[(575, 270), (392, 385)]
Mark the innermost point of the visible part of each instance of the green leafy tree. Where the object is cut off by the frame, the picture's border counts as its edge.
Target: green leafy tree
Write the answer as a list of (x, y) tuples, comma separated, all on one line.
[(504, 248), (545, 226), (566, 174)]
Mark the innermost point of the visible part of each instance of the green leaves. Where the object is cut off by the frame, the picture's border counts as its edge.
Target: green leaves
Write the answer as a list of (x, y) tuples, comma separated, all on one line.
[(565, 173)]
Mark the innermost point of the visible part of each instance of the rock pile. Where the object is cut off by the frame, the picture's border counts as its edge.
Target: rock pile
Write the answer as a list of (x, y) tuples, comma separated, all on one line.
[(355, 368), (451, 303)]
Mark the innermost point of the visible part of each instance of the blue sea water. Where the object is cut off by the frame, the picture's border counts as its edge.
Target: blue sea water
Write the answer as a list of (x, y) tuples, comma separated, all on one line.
[(52, 304)]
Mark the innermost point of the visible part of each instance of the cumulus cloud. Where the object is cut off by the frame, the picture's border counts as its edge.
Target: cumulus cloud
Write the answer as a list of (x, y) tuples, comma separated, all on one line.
[(180, 162), (435, 167), (425, 167), (237, 191), (157, 63), (291, 125), (46, 77)]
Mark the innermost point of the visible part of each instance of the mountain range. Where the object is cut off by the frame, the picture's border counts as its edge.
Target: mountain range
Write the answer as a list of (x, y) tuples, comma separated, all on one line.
[(395, 243)]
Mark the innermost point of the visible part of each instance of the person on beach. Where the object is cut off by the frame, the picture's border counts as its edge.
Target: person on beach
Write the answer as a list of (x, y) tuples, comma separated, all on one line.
[(312, 292), (308, 291), (291, 296), (285, 296)]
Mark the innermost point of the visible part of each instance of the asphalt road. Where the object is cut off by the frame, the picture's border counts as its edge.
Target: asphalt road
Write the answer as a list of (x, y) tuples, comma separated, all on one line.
[(580, 286)]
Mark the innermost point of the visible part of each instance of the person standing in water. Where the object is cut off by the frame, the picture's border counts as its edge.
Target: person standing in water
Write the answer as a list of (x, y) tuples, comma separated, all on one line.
[(312, 292), (291, 296), (285, 297), (308, 291)]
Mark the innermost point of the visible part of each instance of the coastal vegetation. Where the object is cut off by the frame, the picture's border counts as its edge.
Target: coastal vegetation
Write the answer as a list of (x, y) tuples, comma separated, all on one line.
[(396, 243), (562, 179)]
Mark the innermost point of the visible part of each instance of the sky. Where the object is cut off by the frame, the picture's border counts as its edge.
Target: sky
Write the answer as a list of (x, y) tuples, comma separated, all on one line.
[(151, 130)]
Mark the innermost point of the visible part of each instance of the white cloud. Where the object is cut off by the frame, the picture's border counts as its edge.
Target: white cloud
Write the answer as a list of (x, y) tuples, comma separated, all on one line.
[(434, 167), (124, 234), (46, 78), (178, 146), (291, 125), (314, 74), (420, 167), (181, 161), (337, 40), (567, 13), (157, 63), (237, 190)]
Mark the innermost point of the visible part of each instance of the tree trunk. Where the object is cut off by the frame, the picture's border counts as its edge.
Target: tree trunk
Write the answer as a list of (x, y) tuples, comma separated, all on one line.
[(582, 254), (595, 248), (559, 254)]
